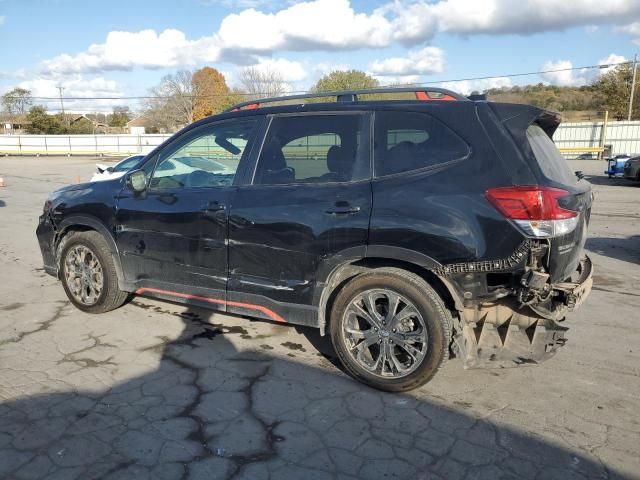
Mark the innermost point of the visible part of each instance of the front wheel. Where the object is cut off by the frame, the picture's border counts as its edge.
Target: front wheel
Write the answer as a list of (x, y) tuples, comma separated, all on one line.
[(88, 273), (390, 329)]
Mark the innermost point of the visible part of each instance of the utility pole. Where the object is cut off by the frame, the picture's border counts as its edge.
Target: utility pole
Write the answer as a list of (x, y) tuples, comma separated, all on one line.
[(61, 89), (633, 85)]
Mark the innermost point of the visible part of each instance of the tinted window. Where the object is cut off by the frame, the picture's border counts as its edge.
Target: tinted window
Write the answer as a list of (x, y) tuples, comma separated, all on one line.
[(407, 141), (552, 163), (128, 163), (315, 149), (208, 158)]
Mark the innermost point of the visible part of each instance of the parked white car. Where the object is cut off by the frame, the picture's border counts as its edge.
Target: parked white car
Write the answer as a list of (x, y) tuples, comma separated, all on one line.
[(116, 171), (171, 167)]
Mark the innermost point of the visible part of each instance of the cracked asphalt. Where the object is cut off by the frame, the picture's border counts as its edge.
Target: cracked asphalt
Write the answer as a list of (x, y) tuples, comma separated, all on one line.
[(163, 391)]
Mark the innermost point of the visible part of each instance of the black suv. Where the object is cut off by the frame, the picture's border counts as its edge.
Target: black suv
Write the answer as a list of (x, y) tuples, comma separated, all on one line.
[(409, 229)]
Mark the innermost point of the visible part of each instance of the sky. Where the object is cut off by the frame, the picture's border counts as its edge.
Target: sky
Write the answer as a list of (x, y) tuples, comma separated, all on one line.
[(123, 48)]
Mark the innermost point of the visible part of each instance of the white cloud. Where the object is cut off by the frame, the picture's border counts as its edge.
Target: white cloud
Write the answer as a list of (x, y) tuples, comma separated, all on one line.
[(417, 62), (466, 87), (420, 20), (567, 77), (336, 25), (612, 60), (290, 70), (563, 76), (147, 49), (75, 87), (632, 29), (319, 24), (2, 19)]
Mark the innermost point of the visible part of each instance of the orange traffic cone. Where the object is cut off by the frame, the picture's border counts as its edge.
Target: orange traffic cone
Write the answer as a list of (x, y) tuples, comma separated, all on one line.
[(1, 182)]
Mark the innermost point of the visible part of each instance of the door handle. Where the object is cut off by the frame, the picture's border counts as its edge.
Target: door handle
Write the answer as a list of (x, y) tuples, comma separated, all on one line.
[(342, 210), (212, 207)]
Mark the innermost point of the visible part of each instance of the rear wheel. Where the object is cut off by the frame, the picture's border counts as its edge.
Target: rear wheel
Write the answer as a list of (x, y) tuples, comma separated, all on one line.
[(88, 273), (390, 329)]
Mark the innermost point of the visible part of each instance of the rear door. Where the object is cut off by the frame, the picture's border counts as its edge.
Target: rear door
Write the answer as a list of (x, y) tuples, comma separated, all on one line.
[(307, 208)]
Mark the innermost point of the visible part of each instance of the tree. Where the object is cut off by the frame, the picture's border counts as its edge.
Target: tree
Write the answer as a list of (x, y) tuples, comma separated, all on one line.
[(119, 117), (171, 107), (43, 123), (615, 86), (17, 101), (211, 93), (262, 82), (345, 80)]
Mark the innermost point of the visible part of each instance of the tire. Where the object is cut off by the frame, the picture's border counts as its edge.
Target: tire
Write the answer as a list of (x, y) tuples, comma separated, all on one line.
[(433, 315), (97, 250)]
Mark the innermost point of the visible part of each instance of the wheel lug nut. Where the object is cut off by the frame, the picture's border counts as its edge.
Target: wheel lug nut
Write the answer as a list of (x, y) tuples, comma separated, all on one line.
[(375, 329), (393, 330)]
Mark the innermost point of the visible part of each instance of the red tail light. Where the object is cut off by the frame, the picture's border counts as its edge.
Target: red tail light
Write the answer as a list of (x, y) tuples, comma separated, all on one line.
[(535, 209)]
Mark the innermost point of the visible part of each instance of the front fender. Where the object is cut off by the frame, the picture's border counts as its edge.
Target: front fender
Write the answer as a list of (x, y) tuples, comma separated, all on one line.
[(88, 221)]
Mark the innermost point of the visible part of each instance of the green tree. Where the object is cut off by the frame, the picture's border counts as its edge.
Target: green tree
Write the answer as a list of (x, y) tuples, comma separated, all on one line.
[(345, 80), (80, 127), (17, 101), (615, 86), (211, 94), (43, 123), (120, 117)]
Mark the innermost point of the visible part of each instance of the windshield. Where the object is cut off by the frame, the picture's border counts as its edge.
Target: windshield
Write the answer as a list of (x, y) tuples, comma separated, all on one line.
[(552, 163)]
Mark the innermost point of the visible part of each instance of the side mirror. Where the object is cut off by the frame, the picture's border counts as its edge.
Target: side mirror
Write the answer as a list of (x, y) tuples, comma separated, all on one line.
[(137, 181)]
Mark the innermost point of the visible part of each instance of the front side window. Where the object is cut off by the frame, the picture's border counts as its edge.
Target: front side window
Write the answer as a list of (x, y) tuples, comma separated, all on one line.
[(407, 141), (315, 149), (208, 158)]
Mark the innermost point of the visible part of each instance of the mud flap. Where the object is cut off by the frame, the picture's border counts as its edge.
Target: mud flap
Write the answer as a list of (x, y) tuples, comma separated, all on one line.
[(499, 335)]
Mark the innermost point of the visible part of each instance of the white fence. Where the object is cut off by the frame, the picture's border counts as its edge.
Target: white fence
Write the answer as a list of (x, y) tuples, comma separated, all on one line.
[(624, 137), (118, 145)]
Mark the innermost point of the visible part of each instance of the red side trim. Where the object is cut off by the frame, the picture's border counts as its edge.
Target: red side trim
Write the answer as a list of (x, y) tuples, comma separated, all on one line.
[(269, 313)]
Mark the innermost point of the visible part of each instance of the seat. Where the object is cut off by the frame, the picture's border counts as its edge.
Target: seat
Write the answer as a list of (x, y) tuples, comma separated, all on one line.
[(199, 178), (340, 165), (400, 158), (273, 169)]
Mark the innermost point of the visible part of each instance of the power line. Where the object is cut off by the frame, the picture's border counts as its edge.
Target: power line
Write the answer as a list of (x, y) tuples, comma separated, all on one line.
[(418, 84)]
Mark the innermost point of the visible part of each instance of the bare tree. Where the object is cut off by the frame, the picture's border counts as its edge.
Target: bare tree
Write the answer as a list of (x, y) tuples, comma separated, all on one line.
[(172, 104), (17, 101), (262, 82)]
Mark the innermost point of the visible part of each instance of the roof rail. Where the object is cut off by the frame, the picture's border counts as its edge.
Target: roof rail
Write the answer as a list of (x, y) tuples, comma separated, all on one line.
[(426, 93)]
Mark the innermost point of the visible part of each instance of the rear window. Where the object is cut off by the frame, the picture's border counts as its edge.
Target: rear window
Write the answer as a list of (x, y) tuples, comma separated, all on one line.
[(408, 141), (552, 163)]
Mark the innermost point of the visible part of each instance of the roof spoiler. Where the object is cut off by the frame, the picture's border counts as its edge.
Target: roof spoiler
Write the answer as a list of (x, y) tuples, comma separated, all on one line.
[(519, 117)]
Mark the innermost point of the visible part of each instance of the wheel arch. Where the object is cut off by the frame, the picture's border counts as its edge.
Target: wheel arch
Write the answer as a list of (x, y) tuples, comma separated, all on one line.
[(83, 223), (416, 263)]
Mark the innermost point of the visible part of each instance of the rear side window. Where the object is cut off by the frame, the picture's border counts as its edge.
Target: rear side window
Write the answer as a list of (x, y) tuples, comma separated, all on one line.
[(408, 141), (552, 163), (315, 149)]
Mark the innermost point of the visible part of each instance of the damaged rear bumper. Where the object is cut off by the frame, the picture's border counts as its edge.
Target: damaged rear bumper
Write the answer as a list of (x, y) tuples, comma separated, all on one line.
[(507, 333)]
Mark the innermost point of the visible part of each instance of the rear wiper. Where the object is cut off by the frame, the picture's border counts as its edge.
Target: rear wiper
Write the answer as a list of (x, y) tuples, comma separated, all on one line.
[(579, 174)]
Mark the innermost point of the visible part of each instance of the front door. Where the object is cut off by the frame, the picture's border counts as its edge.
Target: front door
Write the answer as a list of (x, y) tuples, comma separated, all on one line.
[(173, 236), (307, 206)]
